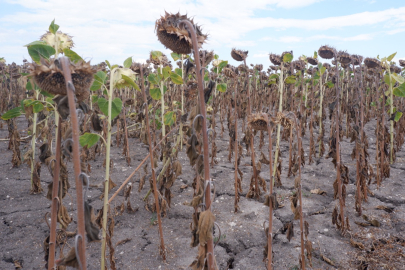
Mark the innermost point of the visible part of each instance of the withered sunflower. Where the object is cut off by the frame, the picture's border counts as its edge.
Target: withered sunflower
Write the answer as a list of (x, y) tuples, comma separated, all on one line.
[(209, 56), (344, 58), (357, 59), (326, 52), (372, 62), (174, 35), (395, 69), (312, 61), (239, 55), (258, 121), (49, 77), (275, 59), (402, 63)]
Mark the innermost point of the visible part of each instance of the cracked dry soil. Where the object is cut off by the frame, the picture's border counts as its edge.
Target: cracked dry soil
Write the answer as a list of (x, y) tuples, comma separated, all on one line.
[(23, 228)]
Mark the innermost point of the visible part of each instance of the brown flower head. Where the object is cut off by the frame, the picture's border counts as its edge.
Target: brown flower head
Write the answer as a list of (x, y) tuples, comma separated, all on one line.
[(229, 73), (344, 58), (239, 55), (299, 64), (326, 52), (258, 67), (174, 35), (312, 61), (275, 59), (357, 59), (49, 77), (372, 62), (258, 121), (209, 56), (395, 69), (402, 63)]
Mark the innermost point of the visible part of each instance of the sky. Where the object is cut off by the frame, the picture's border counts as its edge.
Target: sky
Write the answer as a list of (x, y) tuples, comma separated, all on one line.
[(115, 30)]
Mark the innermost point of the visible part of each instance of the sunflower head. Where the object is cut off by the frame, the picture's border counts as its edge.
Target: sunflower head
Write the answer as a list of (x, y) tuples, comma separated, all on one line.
[(206, 57), (326, 52), (357, 59), (239, 55), (395, 69), (372, 62), (49, 77), (344, 58), (258, 121), (402, 63), (174, 35), (64, 41), (275, 59)]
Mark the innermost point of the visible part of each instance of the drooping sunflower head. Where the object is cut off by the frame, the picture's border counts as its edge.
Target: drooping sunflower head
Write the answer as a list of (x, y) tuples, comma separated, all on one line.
[(402, 63), (395, 69), (357, 59), (275, 59), (326, 52), (206, 57), (49, 77), (344, 58), (174, 35), (372, 62), (258, 121), (239, 55)]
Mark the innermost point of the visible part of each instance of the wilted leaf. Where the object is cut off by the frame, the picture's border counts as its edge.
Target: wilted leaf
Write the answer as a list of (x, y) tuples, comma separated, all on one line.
[(318, 191), (176, 78)]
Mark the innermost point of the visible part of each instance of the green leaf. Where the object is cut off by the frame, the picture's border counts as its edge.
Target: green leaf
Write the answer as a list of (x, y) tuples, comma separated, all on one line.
[(94, 98), (397, 78), (115, 107), (152, 78), (155, 93), (222, 65), (158, 124), (175, 56), (206, 76), (323, 69), (37, 107), (40, 50), (99, 79), (166, 72), (399, 91), (216, 56), (53, 28), (389, 58), (38, 42), (290, 79), (108, 64), (373, 104), (179, 72), (397, 116), (164, 89), (128, 62), (73, 56), (131, 82), (28, 86), (46, 94), (315, 54), (169, 118), (329, 84), (221, 87), (12, 113), (387, 79), (176, 78), (88, 139), (287, 58)]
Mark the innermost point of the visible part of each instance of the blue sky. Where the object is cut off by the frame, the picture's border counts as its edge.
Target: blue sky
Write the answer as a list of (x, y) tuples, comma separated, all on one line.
[(115, 30)]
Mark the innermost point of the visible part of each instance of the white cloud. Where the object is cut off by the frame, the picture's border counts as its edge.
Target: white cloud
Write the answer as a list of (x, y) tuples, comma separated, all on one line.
[(101, 28)]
